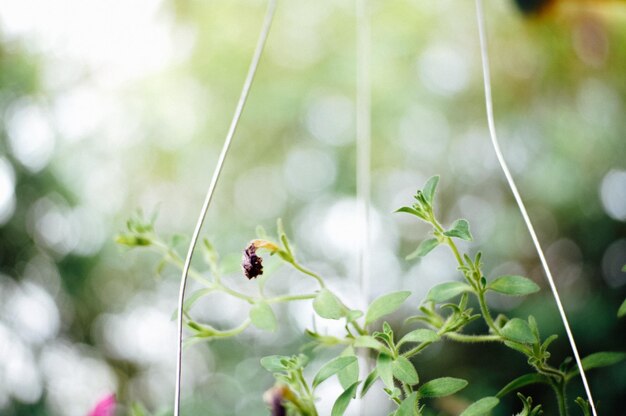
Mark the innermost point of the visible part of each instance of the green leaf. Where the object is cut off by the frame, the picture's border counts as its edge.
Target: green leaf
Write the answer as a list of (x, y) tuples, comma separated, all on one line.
[(384, 305), (342, 402), (410, 210), (446, 291), (518, 330), (353, 315), (369, 382), (408, 406), (383, 367), (328, 306), (430, 187), (460, 229), (424, 248), (367, 341), (404, 371), (132, 240), (622, 310), (420, 335), (481, 407), (349, 374), (513, 285), (332, 367), (521, 381), (597, 360), (441, 387), (262, 316), (584, 406), (274, 363)]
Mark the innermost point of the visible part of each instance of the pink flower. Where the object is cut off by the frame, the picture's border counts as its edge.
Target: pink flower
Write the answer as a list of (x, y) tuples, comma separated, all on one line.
[(105, 407)]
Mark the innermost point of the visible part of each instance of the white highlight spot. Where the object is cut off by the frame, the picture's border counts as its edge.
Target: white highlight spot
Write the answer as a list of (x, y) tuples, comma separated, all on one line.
[(7, 191), (443, 70), (31, 139), (330, 119), (613, 194)]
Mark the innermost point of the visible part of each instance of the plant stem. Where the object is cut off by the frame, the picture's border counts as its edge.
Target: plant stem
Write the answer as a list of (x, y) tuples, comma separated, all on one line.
[(288, 298), (234, 293), (231, 332), (406, 389), (410, 353), (485, 311), (455, 336), (359, 329), (310, 398), (559, 390), (171, 257), (310, 273)]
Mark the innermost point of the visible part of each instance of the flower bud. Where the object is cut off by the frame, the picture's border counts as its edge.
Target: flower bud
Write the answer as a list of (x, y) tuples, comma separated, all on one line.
[(252, 263), (275, 398)]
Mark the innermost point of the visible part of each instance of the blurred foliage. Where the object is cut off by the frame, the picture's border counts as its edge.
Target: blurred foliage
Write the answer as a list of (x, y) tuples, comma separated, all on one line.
[(150, 140)]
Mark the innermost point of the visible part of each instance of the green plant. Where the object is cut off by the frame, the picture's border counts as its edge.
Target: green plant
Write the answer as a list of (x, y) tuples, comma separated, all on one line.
[(445, 313)]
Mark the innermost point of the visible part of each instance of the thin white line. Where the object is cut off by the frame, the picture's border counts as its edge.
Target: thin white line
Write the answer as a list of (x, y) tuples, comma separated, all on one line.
[(363, 161), (363, 143), (494, 140), (269, 16)]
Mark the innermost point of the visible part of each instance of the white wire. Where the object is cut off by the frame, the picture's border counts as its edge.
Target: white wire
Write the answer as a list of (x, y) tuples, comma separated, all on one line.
[(363, 144), (494, 140), (269, 16), (363, 161)]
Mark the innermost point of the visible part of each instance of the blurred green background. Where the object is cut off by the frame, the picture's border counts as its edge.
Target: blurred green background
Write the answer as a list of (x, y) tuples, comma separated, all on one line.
[(106, 107)]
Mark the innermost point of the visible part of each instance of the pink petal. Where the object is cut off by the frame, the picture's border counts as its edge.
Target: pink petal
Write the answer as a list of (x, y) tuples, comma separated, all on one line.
[(105, 407)]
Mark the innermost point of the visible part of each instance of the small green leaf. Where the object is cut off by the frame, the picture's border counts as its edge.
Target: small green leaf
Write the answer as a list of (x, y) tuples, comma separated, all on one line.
[(410, 210), (342, 402), (274, 363), (353, 315), (262, 316), (441, 387), (332, 367), (132, 240), (622, 310), (446, 291), (522, 381), (518, 330), (420, 335), (349, 374), (408, 406), (481, 407), (460, 229), (383, 367), (404, 371), (424, 248), (513, 285), (524, 349), (367, 341), (328, 306), (430, 187), (584, 406), (598, 359), (369, 382), (384, 305)]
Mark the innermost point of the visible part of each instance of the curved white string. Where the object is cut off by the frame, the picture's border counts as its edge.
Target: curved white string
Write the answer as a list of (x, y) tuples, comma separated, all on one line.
[(494, 140), (269, 17)]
